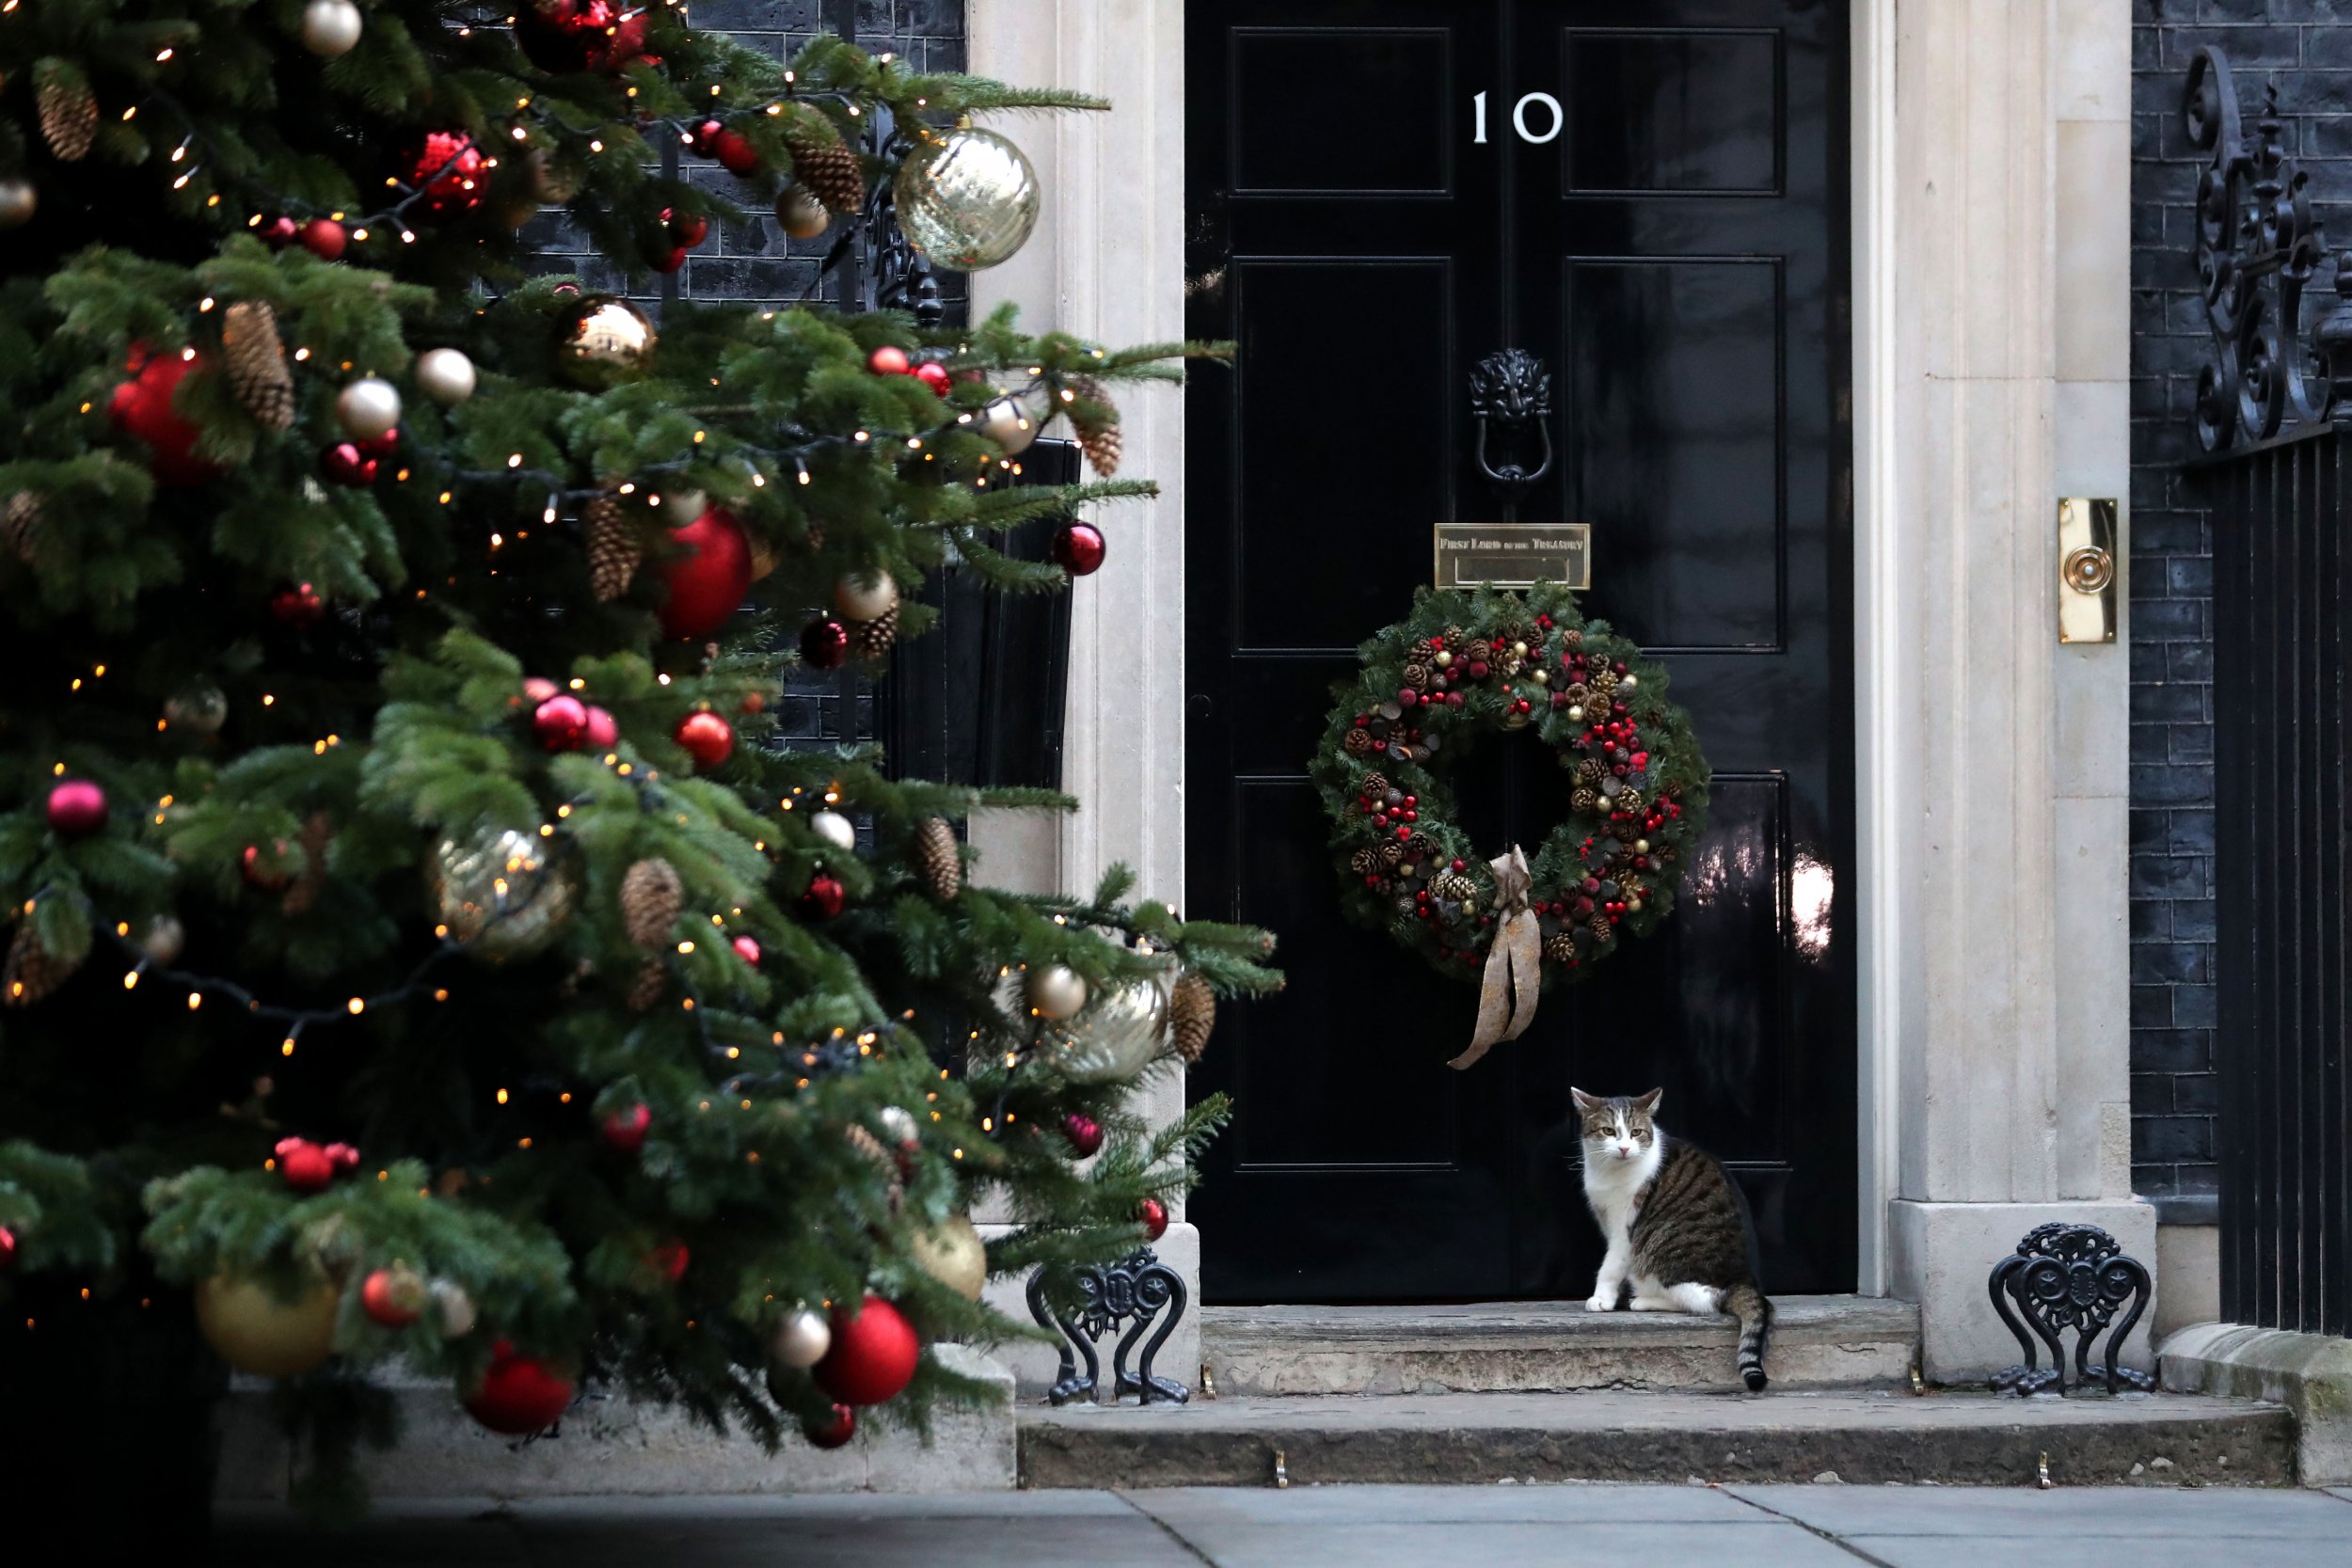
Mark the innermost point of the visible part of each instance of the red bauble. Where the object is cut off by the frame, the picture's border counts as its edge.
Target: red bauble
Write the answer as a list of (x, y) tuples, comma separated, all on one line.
[(735, 154), (579, 35), (324, 239), (931, 373), (747, 949), (708, 739), (670, 1259), (561, 723), (667, 261), (825, 895), (310, 1167), (393, 1297), (1084, 1132), (76, 807), (280, 232), (457, 170), (824, 644), (270, 875), (299, 606), (686, 228), (707, 578), (603, 732), (347, 463), (834, 1433), (518, 1395), (142, 407), (624, 1129), (1153, 1213), (8, 1261), (1078, 548), (887, 360), (873, 1356)]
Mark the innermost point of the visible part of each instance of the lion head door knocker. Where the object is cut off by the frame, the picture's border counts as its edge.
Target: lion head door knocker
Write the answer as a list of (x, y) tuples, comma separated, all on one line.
[(2069, 1277), (1511, 402)]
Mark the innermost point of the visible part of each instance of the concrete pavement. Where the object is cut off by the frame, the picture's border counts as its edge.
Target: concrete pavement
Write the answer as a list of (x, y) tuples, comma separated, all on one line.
[(1831, 1526)]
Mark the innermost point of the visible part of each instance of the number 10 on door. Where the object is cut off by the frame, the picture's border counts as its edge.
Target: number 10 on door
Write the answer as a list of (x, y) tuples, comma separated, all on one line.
[(1543, 102)]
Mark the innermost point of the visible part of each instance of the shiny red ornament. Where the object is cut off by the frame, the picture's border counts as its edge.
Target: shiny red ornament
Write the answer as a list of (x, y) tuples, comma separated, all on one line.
[(686, 228), (452, 170), (824, 644), (735, 154), (561, 723), (324, 239), (8, 1257), (518, 1395), (299, 606), (747, 949), (1084, 1132), (309, 1167), (579, 35), (624, 1129), (280, 232), (347, 463), (1078, 548), (666, 262), (1153, 1215), (670, 1259), (931, 373), (825, 895), (143, 407), (707, 577), (834, 1433), (873, 1357), (708, 739), (603, 732), (77, 807), (394, 1298), (888, 360), (270, 874)]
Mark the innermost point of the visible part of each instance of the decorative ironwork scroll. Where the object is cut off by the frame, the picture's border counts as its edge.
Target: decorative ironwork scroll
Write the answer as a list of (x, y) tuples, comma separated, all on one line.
[(2064, 1277), (1135, 1288), (1512, 390), (899, 277), (2258, 245)]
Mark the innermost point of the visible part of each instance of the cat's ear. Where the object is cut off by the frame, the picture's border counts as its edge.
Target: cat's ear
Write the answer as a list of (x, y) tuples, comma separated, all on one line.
[(1647, 1105), (1586, 1102)]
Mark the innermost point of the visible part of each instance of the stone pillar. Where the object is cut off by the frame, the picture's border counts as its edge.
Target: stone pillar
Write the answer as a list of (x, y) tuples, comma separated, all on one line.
[(2001, 797)]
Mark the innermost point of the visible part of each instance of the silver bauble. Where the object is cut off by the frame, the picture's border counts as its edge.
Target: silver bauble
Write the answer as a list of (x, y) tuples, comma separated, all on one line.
[(163, 940), (952, 1252), (457, 1313), (17, 201), (897, 1124), (445, 375), (604, 341), (1119, 1036), (967, 200), (201, 708), (801, 215), (684, 508), (801, 1337), (835, 830), (1055, 992), (367, 409), (868, 596), (331, 28), (502, 893), (1008, 424), (1629, 682)]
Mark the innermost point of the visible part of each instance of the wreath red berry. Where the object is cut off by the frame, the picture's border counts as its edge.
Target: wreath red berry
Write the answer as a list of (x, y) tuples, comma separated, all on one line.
[(1466, 664)]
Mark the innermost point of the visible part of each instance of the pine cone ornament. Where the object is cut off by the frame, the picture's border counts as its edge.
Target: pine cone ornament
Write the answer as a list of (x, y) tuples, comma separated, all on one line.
[(1191, 1014), (936, 858), (615, 546), (1417, 677), (647, 988), (1392, 852), (1601, 930), (1560, 948), (1584, 799), (255, 358), (1366, 863), (1097, 427), (825, 166), (1373, 784), (32, 972), (1589, 771), (318, 831), (652, 898), (1603, 682), (871, 640), (1454, 887), (69, 110), (1359, 743), (871, 1149), (1629, 801), (1572, 639), (20, 526)]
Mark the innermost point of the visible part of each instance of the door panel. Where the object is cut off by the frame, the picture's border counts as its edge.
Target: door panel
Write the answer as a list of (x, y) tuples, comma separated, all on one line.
[(1675, 253)]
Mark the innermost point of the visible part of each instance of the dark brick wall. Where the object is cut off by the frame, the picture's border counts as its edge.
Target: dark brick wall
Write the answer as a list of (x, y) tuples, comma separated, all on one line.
[(2306, 46)]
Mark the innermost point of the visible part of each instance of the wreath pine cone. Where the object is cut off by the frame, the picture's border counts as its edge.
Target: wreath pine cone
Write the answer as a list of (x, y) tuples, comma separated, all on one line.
[(1359, 743), (1453, 888), (1366, 863), (1375, 784), (1560, 947)]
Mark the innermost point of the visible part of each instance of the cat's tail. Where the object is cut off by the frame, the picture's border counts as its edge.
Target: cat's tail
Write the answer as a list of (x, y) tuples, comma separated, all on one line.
[(1748, 1304)]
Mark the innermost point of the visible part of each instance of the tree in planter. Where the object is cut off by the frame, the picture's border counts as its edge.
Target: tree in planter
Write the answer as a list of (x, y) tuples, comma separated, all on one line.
[(414, 948)]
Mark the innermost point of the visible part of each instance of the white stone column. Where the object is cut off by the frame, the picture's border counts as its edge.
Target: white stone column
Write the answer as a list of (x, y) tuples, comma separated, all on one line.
[(1997, 758), (1106, 262)]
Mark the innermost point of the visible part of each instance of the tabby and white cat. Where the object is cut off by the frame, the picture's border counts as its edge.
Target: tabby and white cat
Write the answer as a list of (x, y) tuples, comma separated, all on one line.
[(1676, 1228)]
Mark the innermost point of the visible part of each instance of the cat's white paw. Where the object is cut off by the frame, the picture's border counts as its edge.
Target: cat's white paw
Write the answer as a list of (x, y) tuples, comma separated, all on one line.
[(1596, 1302), (1653, 1303)]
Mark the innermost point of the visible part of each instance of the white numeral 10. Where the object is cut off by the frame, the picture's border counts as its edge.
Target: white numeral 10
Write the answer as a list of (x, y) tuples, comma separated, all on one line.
[(1518, 118)]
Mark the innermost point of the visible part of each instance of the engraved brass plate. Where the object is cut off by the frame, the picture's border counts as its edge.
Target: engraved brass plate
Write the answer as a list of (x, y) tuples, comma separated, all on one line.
[(2086, 569), (1513, 555)]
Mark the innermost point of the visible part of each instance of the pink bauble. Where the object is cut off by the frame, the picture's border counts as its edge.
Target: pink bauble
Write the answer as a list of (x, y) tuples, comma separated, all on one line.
[(707, 578), (76, 807), (602, 733), (561, 723)]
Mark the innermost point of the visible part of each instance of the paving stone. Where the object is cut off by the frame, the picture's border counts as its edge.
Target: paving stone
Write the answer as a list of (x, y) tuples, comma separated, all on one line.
[(1186, 1509), (1760, 1544), (2115, 1513)]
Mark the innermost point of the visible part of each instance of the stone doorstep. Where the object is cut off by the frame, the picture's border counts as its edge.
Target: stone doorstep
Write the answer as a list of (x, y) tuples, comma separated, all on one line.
[(2309, 1373), (1862, 1438), (1495, 1347)]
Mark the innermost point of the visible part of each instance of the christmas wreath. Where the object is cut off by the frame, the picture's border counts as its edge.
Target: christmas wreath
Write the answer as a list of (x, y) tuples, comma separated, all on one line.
[(1463, 665)]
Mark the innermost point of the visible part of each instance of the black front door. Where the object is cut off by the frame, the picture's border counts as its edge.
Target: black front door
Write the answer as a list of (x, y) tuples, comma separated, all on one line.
[(1652, 199)]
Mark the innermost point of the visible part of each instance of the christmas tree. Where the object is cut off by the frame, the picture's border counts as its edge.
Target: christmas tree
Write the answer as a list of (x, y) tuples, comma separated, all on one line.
[(419, 946)]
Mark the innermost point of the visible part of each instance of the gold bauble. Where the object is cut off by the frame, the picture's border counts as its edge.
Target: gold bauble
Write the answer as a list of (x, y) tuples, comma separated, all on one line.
[(1120, 1033), (503, 893), (605, 340), (967, 200), (952, 1252), (249, 1327)]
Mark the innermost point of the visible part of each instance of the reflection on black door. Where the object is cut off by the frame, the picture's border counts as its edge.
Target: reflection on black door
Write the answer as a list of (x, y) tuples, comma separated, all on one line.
[(1671, 242)]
